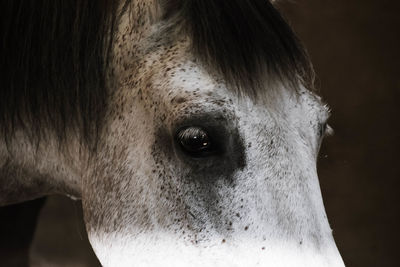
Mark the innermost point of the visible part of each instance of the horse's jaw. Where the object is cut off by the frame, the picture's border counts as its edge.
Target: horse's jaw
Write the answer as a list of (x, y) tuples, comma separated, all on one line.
[(160, 249)]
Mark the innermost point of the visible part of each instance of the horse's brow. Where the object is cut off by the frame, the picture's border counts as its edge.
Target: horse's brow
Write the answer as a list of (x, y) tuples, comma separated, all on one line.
[(245, 41)]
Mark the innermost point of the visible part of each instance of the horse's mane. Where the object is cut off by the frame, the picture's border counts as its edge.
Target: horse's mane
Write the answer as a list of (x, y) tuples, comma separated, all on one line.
[(54, 56), (247, 41)]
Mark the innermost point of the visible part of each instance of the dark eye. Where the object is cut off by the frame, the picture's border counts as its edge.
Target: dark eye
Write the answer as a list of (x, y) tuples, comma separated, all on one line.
[(195, 141)]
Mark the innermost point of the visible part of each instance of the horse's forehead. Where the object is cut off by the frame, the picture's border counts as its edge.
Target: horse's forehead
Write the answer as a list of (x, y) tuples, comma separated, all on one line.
[(169, 72), (182, 83)]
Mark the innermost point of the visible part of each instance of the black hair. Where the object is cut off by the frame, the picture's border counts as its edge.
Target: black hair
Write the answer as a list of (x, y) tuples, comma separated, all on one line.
[(247, 41), (54, 56)]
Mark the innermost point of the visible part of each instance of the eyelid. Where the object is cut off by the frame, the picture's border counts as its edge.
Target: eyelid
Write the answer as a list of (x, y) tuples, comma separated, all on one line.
[(329, 130)]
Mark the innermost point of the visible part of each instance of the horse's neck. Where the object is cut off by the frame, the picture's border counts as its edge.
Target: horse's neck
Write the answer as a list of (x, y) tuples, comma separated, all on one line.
[(29, 169)]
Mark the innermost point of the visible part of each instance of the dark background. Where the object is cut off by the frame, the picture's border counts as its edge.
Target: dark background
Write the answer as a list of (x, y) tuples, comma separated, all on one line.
[(354, 45)]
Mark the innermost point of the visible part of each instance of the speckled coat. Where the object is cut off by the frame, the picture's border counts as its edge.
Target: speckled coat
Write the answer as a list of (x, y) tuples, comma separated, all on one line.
[(146, 201)]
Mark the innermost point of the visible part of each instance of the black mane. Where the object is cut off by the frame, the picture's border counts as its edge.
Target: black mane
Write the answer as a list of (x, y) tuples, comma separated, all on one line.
[(245, 40), (54, 55)]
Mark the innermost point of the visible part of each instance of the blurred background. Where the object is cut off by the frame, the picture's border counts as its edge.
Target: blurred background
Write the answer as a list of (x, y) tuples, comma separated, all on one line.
[(354, 45)]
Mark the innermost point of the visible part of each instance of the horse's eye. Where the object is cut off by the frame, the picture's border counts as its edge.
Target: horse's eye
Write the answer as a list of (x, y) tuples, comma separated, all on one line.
[(195, 141)]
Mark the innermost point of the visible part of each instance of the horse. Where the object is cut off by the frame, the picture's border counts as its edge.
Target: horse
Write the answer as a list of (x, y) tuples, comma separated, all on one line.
[(189, 130)]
